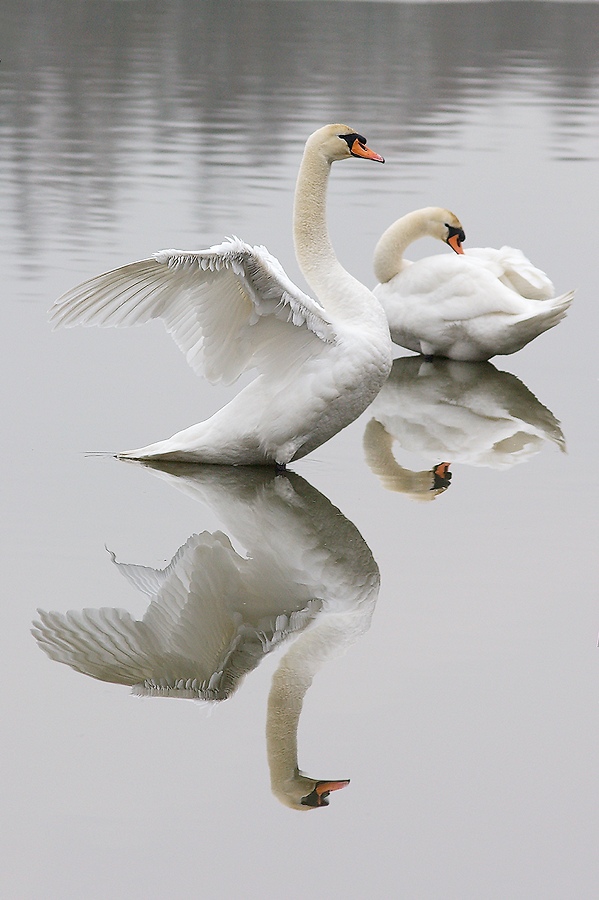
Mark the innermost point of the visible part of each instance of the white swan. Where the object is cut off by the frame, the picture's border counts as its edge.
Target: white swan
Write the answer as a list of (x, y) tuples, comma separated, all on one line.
[(214, 614), (469, 306), (232, 308)]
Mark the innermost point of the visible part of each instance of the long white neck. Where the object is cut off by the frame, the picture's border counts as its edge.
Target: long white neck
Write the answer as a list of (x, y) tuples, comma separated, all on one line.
[(335, 288), (388, 253)]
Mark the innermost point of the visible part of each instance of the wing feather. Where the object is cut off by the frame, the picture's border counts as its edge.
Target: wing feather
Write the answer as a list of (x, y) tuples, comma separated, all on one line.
[(515, 270), (224, 306), (107, 643)]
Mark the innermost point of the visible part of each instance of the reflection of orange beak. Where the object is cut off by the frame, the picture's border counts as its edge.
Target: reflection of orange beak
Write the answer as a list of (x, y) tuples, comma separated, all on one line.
[(319, 796), (358, 149), (454, 243), (441, 477), (323, 787)]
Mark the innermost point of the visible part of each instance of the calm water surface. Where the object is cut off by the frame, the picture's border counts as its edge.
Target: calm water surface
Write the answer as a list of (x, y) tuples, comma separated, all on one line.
[(451, 625)]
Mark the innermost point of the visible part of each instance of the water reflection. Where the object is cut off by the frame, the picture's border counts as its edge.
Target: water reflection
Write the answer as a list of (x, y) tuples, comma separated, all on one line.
[(95, 93), (427, 484), (214, 615), (470, 413)]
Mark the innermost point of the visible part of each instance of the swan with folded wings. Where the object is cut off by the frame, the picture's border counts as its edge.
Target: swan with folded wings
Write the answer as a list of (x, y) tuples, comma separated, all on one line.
[(477, 304), (232, 308)]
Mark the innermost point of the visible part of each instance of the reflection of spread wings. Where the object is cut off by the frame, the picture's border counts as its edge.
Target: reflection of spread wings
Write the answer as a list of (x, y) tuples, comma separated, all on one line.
[(189, 643), (226, 307)]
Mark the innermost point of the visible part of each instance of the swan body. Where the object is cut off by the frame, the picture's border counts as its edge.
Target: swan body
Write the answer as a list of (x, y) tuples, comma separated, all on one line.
[(214, 614), (232, 308), (469, 306)]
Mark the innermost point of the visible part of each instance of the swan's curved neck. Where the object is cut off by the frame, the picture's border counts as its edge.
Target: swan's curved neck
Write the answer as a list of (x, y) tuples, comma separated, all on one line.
[(335, 288), (388, 253), (313, 246)]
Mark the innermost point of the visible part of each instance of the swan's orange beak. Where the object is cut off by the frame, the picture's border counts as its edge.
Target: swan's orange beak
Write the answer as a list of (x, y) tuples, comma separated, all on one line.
[(360, 149), (455, 243)]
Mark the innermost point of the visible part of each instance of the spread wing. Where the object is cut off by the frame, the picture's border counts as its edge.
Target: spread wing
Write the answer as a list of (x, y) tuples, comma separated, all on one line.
[(229, 308), (108, 644), (200, 635)]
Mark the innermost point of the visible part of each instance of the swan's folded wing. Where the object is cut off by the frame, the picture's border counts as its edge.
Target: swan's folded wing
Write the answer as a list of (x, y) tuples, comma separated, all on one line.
[(515, 270), (226, 307)]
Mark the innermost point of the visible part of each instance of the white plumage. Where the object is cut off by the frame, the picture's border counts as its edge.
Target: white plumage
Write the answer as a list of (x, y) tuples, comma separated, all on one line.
[(231, 309), (214, 614), (469, 306)]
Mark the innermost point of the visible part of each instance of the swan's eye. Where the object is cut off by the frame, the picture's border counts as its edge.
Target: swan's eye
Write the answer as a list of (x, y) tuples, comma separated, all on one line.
[(350, 138), (357, 146), (452, 231)]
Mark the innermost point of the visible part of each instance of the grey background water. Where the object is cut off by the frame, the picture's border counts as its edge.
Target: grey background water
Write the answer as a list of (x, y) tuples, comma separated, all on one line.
[(466, 717)]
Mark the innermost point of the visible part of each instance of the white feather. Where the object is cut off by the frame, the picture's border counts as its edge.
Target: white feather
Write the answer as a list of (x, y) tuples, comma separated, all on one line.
[(231, 309), (472, 306)]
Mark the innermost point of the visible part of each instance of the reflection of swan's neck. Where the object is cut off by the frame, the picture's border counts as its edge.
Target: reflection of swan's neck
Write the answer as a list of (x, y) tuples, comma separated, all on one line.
[(289, 685), (378, 452), (388, 253), (335, 288)]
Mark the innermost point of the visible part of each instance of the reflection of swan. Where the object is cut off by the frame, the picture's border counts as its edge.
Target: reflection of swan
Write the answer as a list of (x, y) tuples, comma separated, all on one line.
[(426, 485), (290, 682), (464, 412), (466, 307), (215, 614), (232, 308), (195, 640)]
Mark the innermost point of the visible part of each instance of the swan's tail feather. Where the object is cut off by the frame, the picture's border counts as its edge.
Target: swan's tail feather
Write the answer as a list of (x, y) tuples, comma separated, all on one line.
[(547, 314), (169, 452), (151, 452), (554, 310), (563, 301), (101, 453)]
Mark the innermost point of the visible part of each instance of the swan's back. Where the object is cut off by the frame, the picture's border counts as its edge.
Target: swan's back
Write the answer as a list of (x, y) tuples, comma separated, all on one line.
[(515, 270), (456, 307)]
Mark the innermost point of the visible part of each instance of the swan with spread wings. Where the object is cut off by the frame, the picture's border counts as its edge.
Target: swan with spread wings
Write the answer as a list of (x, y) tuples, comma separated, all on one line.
[(231, 308)]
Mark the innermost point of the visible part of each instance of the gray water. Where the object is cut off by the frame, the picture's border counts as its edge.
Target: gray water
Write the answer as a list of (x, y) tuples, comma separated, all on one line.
[(462, 699)]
